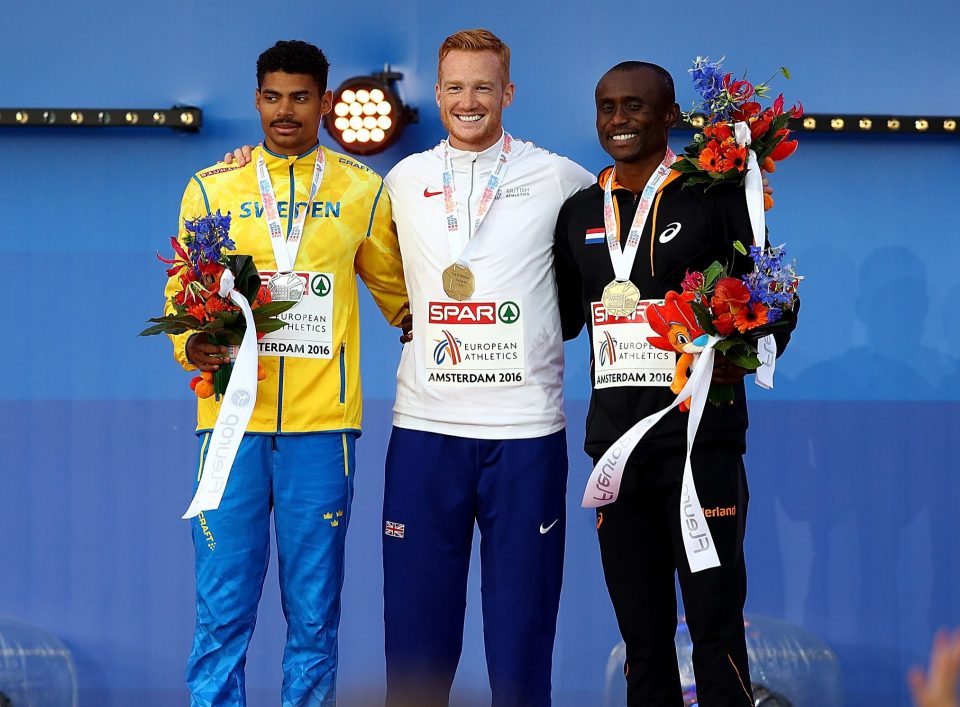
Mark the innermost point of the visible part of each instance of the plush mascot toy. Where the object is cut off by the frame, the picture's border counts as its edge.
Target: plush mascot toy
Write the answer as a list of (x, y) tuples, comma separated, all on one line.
[(678, 331)]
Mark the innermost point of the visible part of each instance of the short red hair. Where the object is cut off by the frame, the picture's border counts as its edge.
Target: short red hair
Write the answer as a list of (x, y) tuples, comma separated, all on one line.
[(477, 40)]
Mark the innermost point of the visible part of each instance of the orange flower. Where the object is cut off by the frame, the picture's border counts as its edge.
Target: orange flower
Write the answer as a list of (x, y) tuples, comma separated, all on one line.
[(751, 317), (202, 385), (709, 159), (216, 304), (719, 132), (734, 157), (768, 165), (767, 202), (197, 310)]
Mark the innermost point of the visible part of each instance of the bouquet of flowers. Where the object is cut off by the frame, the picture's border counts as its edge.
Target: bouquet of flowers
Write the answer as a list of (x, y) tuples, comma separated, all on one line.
[(734, 122), (200, 263), (742, 310)]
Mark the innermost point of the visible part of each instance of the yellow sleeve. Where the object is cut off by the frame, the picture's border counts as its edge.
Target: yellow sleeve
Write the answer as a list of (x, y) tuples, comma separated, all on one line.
[(192, 205), (378, 262)]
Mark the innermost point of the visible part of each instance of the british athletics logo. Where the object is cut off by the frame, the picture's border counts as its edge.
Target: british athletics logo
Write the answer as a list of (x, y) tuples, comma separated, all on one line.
[(394, 530)]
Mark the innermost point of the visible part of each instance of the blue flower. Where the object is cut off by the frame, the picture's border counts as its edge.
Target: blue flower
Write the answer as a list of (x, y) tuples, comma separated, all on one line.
[(208, 238), (707, 78)]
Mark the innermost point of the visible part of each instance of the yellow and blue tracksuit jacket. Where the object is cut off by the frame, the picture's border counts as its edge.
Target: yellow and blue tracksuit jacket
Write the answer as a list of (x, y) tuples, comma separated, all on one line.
[(348, 231)]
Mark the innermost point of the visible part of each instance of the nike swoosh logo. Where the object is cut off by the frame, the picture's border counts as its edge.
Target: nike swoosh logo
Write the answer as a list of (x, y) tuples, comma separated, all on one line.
[(427, 193), (544, 531)]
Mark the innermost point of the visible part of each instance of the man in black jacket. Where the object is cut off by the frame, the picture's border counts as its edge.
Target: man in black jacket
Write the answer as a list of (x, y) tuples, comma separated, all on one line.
[(655, 231)]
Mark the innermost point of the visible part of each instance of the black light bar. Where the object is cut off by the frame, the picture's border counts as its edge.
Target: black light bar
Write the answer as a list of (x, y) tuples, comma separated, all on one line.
[(858, 123), (183, 118)]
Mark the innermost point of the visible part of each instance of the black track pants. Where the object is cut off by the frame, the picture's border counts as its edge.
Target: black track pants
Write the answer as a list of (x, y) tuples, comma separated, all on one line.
[(642, 548)]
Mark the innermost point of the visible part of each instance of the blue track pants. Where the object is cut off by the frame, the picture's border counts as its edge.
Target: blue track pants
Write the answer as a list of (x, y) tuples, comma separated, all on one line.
[(437, 488), (307, 481)]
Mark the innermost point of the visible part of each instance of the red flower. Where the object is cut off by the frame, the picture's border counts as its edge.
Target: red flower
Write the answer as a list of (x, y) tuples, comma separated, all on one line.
[(737, 90), (745, 111), (729, 295), (692, 281), (762, 124), (724, 324), (210, 276), (263, 296), (785, 147)]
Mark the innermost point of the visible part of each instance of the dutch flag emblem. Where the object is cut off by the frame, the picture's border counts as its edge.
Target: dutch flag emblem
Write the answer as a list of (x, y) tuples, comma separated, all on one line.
[(595, 235)]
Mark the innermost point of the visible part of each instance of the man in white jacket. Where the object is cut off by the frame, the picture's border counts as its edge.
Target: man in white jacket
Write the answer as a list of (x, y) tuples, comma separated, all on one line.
[(478, 423)]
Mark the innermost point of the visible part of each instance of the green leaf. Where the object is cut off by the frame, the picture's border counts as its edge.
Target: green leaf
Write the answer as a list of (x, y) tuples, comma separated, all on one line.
[(229, 319), (703, 318), (721, 394), (686, 166), (742, 354), (270, 325), (739, 247), (157, 329), (786, 72), (711, 273), (245, 275), (272, 309)]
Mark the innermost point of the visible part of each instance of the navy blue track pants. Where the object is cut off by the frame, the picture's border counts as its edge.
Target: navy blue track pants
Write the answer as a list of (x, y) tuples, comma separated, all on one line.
[(437, 488)]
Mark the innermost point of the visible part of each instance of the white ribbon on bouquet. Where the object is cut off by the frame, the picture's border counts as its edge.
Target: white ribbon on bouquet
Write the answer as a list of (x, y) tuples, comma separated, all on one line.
[(603, 486), (753, 187), (236, 407)]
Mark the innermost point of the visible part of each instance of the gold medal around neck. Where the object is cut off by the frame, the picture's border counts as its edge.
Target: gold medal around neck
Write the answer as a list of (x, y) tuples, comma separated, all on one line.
[(458, 282), (620, 299)]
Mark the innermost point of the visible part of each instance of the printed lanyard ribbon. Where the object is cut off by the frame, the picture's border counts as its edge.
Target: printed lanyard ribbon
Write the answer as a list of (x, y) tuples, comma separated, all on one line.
[(285, 253), (460, 251), (623, 258)]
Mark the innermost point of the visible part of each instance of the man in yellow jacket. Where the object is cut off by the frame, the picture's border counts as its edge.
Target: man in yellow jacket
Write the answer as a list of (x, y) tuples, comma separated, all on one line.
[(312, 219)]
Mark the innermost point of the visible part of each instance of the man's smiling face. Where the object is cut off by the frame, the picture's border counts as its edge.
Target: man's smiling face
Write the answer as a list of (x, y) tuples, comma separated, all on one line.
[(472, 92), (633, 116)]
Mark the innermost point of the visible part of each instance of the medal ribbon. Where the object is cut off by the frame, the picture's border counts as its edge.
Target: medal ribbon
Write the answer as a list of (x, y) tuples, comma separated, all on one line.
[(623, 258), (459, 251), (603, 486), (285, 251), (753, 188)]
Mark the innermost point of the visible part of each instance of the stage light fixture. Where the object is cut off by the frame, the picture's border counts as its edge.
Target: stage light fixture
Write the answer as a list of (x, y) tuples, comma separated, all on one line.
[(181, 118), (857, 123), (368, 115)]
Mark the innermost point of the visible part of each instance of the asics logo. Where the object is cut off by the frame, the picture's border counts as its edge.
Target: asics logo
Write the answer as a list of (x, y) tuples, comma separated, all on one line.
[(670, 232), (546, 529)]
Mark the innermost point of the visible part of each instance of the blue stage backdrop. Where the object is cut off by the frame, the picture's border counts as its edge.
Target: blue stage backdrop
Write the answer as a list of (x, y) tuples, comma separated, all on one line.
[(852, 484)]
